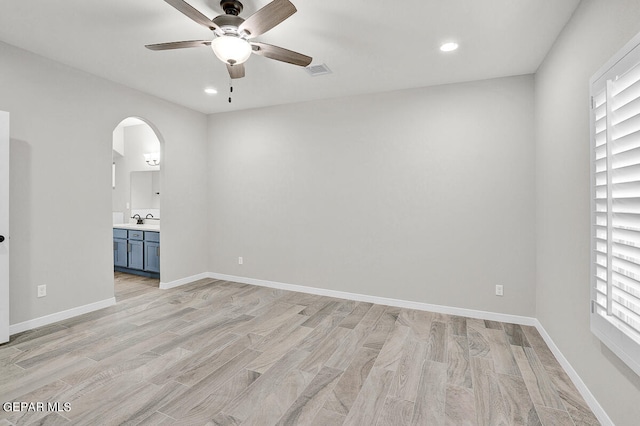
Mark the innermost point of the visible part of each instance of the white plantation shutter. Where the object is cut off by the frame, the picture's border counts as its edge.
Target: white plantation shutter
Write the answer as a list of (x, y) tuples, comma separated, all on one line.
[(615, 182)]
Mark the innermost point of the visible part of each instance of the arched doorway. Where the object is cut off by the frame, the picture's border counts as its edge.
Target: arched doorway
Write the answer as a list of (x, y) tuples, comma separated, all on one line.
[(136, 209)]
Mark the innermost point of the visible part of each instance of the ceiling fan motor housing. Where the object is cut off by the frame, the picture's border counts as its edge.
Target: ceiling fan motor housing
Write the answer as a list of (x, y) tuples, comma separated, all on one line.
[(231, 7), (228, 25)]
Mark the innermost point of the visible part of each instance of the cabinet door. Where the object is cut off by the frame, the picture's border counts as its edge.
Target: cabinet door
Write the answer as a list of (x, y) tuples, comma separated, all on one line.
[(151, 256), (120, 252), (136, 254)]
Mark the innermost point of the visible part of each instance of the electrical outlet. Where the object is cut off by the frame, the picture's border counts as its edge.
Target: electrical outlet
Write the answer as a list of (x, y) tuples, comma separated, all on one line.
[(42, 290), (499, 290), (240, 260)]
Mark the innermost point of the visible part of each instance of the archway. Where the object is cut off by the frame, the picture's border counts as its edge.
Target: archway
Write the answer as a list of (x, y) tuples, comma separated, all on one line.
[(136, 210)]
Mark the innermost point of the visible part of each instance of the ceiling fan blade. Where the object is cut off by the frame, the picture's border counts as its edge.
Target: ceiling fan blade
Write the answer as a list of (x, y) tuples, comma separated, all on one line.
[(178, 45), (267, 17), (192, 13), (236, 71), (281, 54)]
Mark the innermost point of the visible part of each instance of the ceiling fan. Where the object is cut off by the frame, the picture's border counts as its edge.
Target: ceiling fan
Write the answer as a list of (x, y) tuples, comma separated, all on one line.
[(232, 34)]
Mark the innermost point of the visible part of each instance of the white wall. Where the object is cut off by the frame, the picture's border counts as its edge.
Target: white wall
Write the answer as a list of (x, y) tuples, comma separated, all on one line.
[(597, 30), (424, 195), (118, 140), (61, 143)]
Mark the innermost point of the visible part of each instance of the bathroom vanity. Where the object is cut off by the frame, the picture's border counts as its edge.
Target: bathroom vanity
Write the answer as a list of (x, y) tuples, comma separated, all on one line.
[(136, 249)]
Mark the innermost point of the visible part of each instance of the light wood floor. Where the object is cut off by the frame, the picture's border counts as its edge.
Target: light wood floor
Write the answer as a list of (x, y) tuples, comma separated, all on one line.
[(217, 352)]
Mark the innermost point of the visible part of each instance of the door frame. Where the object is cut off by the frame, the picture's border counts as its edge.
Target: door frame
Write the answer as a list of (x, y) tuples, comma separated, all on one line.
[(161, 148), (4, 227)]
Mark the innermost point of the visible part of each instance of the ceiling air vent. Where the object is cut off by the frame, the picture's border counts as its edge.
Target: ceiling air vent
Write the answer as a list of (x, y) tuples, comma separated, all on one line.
[(316, 70)]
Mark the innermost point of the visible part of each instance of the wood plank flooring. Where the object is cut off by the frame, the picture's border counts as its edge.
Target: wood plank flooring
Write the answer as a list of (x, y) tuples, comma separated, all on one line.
[(222, 353)]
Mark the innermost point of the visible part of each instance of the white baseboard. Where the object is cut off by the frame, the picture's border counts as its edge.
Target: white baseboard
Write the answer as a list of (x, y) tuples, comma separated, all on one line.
[(59, 316), (183, 281), (591, 400), (493, 316)]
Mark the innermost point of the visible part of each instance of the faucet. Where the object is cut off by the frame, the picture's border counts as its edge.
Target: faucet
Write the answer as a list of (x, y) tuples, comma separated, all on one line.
[(149, 216), (140, 220)]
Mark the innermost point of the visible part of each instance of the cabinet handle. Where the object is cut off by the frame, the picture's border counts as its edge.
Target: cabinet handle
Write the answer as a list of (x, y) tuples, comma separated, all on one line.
[(158, 251), (128, 247), (115, 246)]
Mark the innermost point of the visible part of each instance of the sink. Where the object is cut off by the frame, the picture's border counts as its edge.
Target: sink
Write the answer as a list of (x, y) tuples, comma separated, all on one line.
[(144, 227)]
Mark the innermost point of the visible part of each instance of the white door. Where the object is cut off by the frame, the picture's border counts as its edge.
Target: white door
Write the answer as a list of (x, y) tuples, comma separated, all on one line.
[(4, 226)]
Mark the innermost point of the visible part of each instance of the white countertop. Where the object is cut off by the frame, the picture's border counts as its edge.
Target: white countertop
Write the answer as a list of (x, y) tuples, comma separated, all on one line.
[(145, 227)]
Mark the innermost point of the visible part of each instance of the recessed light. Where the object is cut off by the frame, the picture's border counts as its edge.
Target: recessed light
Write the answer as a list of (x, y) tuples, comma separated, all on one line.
[(210, 91), (449, 47)]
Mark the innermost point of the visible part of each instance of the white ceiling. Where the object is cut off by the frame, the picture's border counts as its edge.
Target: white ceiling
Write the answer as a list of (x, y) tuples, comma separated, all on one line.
[(370, 45)]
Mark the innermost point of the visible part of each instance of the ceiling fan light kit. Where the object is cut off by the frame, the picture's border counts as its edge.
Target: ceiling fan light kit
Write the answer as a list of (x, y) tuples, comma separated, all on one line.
[(232, 35), (231, 49)]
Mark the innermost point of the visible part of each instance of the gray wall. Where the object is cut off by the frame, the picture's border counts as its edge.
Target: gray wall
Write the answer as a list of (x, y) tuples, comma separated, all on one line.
[(597, 30), (424, 195), (61, 135)]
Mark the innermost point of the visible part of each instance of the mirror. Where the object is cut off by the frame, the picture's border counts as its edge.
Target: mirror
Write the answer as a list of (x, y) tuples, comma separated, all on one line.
[(145, 193)]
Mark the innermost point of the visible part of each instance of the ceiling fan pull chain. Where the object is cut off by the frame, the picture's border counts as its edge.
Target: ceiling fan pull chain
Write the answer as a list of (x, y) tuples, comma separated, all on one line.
[(230, 89)]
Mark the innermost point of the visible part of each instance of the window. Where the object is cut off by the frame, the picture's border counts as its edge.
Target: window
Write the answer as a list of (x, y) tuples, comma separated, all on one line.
[(615, 225)]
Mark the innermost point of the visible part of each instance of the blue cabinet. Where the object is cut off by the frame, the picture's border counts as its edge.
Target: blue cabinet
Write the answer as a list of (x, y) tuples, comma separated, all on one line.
[(136, 235), (152, 251), (136, 252), (120, 252), (152, 236), (151, 256)]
